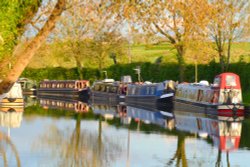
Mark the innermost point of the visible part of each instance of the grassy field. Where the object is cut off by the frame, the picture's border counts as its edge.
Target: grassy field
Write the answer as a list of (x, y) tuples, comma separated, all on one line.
[(163, 53)]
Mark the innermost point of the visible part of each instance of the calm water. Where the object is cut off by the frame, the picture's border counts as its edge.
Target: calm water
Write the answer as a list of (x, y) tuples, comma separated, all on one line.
[(120, 136)]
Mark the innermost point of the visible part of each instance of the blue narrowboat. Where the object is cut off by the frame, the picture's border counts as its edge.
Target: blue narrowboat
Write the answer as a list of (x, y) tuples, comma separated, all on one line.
[(151, 94)]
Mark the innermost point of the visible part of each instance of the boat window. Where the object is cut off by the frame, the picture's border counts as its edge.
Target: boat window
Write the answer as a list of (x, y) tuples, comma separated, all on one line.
[(230, 80), (133, 90), (84, 85), (78, 86), (113, 89), (96, 87), (216, 82), (103, 88), (137, 90), (147, 90), (107, 88), (152, 90)]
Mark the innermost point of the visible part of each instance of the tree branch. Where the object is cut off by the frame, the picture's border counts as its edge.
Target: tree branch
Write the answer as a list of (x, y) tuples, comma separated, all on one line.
[(170, 38)]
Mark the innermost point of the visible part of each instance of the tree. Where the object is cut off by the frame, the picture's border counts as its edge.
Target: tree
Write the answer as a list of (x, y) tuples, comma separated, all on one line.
[(228, 20), (25, 52), (200, 51), (107, 45), (14, 15), (72, 30), (177, 20), (84, 22)]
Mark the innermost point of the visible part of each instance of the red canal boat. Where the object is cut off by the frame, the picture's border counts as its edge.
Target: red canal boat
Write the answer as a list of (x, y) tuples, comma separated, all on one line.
[(223, 97)]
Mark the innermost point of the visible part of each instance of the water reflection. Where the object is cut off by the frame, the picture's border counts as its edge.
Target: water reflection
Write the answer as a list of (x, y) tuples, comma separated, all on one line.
[(119, 135), (8, 152), (11, 114), (65, 104), (77, 147), (223, 133)]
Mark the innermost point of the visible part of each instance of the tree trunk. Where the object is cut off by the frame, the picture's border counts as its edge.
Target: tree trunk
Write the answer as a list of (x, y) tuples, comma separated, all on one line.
[(79, 66), (101, 60), (181, 61), (24, 56), (222, 60), (228, 53)]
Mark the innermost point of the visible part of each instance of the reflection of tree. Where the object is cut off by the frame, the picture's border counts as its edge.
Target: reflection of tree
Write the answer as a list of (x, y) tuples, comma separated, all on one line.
[(218, 161), (6, 145), (180, 154), (83, 148)]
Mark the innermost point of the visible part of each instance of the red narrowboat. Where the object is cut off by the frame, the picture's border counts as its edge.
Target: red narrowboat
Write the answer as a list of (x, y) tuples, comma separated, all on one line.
[(223, 97)]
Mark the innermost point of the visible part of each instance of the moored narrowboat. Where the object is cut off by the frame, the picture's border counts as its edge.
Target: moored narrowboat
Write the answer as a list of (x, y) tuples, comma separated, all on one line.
[(29, 87), (109, 90), (13, 100), (223, 97), (76, 89), (151, 94)]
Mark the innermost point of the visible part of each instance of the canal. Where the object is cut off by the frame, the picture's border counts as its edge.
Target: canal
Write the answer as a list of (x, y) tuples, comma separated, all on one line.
[(112, 135)]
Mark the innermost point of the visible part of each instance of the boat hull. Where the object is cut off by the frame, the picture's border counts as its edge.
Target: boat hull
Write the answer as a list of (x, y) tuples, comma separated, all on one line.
[(164, 102), (220, 110), (105, 97), (64, 93)]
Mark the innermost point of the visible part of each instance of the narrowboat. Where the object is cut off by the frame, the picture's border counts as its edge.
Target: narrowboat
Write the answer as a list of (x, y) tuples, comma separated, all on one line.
[(29, 87), (109, 90), (76, 89), (13, 100), (223, 97), (64, 104), (224, 131), (151, 94)]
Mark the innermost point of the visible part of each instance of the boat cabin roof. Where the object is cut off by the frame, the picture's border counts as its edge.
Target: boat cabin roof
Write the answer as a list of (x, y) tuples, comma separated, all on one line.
[(108, 80), (227, 80), (63, 81)]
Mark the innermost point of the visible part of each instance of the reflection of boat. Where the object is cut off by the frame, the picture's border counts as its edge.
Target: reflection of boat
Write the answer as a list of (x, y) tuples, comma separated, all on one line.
[(66, 104), (223, 97), (28, 86), (107, 110), (126, 113), (64, 89), (152, 115), (13, 100), (224, 131), (150, 94), (11, 119)]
